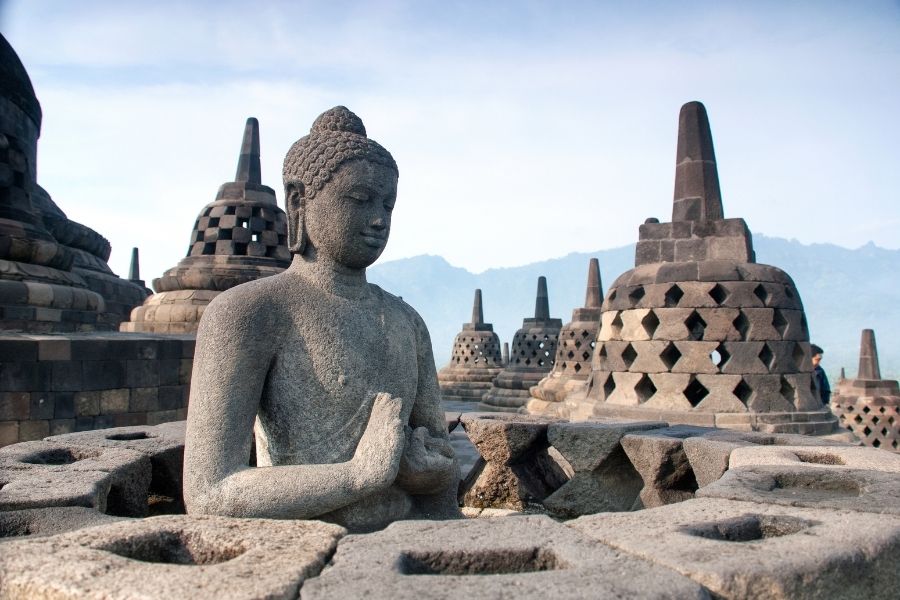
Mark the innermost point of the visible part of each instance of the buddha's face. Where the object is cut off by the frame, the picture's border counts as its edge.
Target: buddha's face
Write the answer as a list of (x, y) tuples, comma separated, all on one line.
[(349, 219)]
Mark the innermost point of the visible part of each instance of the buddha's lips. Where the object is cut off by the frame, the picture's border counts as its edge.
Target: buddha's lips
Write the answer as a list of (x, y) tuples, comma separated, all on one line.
[(374, 240)]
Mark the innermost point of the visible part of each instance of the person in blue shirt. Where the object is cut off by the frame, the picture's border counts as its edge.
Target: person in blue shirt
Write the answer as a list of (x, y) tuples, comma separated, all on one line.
[(819, 374)]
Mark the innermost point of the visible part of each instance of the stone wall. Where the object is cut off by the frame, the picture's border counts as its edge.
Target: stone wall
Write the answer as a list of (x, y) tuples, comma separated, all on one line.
[(54, 384)]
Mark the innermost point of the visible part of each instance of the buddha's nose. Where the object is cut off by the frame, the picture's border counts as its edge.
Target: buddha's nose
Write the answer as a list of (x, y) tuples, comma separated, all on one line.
[(378, 223)]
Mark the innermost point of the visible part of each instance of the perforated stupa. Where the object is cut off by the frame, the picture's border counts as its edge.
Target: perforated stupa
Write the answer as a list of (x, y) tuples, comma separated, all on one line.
[(574, 352), (531, 357), (239, 237), (698, 332), (475, 361), (869, 406)]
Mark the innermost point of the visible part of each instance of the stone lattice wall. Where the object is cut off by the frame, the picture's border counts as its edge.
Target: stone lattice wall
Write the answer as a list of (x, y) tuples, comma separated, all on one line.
[(53, 384)]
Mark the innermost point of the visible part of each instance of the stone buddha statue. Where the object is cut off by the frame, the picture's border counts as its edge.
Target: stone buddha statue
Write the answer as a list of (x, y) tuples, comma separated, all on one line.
[(334, 376)]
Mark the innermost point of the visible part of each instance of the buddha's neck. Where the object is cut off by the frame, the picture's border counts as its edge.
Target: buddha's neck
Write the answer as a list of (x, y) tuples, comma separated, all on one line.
[(330, 276)]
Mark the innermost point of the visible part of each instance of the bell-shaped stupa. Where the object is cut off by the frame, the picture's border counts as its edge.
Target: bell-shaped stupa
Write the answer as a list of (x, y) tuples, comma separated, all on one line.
[(531, 358), (575, 351), (53, 272), (239, 237), (869, 406), (475, 361), (698, 332)]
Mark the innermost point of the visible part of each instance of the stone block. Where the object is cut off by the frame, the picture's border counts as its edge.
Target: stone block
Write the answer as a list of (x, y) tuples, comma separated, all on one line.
[(695, 357), (9, 432), (603, 478), (690, 250), (759, 324), (39, 522), (87, 404), (669, 391), (114, 401), (23, 376), (13, 350), (743, 357), (719, 324), (521, 557), (632, 324), (64, 405), (103, 374), (172, 397), (60, 426), (649, 357), (41, 473), (67, 376), (745, 550), (672, 323), (659, 458), (33, 430), (143, 399), (767, 394), (141, 373), (720, 396), (42, 405), (162, 444), (626, 391), (829, 457), (515, 469), (812, 487), (174, 556), (15, 406)]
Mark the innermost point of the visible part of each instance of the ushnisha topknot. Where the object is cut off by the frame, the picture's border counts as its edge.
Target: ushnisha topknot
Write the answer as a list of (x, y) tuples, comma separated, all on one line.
[(336, 136)]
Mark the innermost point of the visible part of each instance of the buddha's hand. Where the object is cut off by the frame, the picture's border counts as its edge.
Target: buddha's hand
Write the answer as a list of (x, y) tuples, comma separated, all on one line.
[(377, 457), (427, 465)]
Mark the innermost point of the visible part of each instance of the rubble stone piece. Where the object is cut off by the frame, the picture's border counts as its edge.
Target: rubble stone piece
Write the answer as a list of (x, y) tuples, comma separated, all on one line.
[(658, 456), (162, 444), (697, 303), (330, 376), (869, 406), (574, 352), (41, 474), (522, 557), (812, 487), (177, 557), (603, 478), (746, 550), (241, 236), (34, 522), (475, 361), (515, 469), (533, 355)]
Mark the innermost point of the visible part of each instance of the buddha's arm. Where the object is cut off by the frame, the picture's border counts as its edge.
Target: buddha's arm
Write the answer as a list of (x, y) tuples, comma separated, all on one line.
[(428, 465), (235, 346)]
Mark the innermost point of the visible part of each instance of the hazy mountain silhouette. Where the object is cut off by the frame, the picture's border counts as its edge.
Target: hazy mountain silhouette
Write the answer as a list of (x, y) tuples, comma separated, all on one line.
[(843, 291)]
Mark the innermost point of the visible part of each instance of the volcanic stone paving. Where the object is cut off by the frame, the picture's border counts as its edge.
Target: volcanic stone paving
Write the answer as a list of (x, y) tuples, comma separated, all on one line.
[(53, 271), (698, 332), (239, 237), (574, 352), (475, 361), (531, 359), (869, 406)]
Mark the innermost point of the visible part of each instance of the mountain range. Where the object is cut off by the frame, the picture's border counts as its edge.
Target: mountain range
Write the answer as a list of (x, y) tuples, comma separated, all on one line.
[(843, 291)]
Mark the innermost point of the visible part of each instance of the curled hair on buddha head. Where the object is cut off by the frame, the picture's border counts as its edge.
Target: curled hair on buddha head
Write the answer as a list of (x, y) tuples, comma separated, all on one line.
[(337, 136)]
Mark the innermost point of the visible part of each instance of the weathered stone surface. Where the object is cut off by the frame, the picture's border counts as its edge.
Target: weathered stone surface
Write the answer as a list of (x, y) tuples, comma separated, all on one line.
[(603, 478), (332, 376), (521, 557), (515, 469), (819, 456), (812, 487), (163, 445), (745, 550), (170, 557), (659, 458), (42, 474), (35, 522)]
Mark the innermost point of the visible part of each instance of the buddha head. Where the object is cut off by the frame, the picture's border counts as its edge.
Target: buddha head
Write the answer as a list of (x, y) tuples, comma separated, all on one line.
[(340, 189)]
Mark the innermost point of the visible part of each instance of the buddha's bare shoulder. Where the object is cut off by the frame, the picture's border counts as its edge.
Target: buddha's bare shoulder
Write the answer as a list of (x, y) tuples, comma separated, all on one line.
[(399, 305), (260, 305)]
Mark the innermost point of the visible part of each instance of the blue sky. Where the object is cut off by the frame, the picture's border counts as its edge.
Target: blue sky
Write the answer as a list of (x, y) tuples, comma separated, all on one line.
[(523, 130)]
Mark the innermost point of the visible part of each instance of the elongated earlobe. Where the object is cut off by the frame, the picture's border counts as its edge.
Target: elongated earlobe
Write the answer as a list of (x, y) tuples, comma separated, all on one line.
[(296, 205)]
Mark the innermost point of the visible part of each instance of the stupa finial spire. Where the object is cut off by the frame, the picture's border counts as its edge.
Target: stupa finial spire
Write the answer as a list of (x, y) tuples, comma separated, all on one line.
[(477, 311), (868, 357), (248, 169), (593, 297), (134, 269), (541, 302), (697, 193)]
